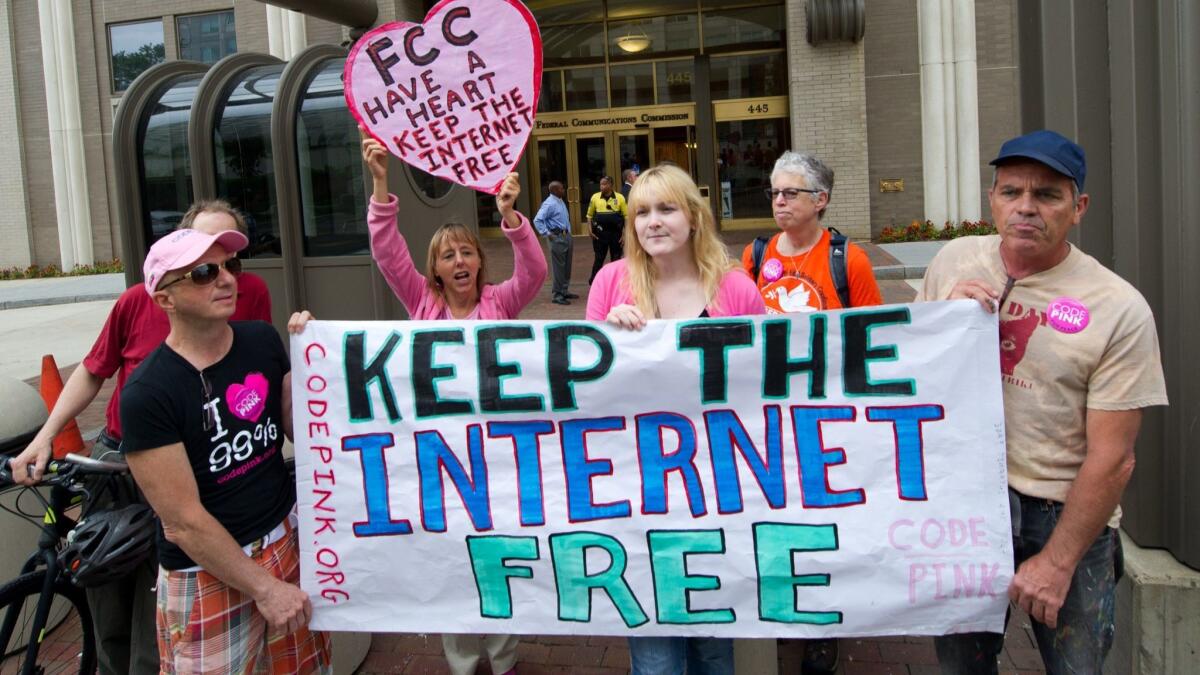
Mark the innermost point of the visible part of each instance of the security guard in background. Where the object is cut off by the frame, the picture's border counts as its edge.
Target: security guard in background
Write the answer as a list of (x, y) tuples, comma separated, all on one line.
[(606, 217)]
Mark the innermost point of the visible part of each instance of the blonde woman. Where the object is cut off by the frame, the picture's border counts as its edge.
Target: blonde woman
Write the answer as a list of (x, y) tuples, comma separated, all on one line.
[(675, 267)]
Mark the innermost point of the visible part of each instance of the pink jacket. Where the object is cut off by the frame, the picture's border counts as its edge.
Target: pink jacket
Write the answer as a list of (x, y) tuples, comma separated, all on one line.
[(736, 296), (498, 301)]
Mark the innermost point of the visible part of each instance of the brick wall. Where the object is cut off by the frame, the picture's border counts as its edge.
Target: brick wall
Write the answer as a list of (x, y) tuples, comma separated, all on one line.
[(829, 118), (14, 222)]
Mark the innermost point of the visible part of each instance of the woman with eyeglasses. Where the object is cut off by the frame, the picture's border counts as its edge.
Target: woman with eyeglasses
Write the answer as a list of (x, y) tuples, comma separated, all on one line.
[(806, 268), (123, 611), (675, 267)]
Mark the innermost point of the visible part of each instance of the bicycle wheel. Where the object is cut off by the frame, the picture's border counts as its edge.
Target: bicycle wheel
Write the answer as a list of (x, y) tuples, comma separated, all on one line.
[(70, 648)]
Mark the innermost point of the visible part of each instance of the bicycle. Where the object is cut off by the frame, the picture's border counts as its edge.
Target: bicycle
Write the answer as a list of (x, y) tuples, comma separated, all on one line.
[(43, 578)]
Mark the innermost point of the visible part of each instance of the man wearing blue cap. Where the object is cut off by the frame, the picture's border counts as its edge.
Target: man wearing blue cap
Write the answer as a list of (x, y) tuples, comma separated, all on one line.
[(1079, 360)]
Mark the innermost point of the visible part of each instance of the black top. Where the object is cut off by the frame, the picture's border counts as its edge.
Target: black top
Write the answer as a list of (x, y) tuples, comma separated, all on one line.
[(238, 461)]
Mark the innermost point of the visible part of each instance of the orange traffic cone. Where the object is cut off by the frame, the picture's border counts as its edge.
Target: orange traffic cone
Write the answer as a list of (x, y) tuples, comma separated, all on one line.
[(69, 439)]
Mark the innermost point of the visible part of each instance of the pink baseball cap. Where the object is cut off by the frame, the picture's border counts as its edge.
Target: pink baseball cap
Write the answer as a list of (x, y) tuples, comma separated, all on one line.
[(181, 248)]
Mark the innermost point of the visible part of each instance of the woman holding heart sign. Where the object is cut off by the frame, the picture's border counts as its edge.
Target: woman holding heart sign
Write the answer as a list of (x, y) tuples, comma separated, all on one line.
[(455, 287)]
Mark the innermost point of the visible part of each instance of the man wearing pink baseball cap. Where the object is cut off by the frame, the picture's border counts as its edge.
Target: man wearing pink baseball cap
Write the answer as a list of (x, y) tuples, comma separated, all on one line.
[(123, 610), (205, 418)]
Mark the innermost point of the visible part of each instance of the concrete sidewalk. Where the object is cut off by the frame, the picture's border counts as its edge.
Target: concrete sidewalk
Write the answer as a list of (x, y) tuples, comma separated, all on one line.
[(911, 259), (17, 293)]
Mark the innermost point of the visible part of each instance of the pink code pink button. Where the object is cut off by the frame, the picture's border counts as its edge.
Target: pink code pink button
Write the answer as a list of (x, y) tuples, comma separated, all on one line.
[(772, 269), (1067, 315)]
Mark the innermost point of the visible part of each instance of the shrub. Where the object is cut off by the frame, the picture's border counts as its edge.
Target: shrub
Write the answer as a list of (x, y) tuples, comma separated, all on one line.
[(42, 272), (927, 231)]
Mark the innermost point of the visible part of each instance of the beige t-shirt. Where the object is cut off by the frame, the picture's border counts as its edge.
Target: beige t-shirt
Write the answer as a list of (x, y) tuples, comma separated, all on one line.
[(1074, 337)]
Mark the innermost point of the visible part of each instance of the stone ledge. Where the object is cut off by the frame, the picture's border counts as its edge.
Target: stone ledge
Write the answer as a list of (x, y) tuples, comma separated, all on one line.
[(58, 300), (899, 272), (1157, 614)]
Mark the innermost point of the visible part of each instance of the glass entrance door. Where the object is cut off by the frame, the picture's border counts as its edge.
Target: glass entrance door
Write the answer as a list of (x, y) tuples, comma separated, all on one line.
[(591, 163), (551, 166), (580, 160), (634, 149)]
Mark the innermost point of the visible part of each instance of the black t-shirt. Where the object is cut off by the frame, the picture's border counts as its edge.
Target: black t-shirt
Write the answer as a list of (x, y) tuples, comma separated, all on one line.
[(238, 461)]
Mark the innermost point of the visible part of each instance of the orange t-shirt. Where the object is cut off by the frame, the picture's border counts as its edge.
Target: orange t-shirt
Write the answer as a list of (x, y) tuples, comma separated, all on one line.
[(802, 283)]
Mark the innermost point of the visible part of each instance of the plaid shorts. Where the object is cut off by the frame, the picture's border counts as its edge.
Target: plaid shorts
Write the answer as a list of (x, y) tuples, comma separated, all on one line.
[(206, 626)]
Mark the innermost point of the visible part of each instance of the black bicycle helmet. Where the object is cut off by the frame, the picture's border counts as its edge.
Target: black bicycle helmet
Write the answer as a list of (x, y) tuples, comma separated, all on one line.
[(108, 545)]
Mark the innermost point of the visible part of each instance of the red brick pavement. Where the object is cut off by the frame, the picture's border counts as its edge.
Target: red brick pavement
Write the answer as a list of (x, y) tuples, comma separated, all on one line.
[(545, 655)]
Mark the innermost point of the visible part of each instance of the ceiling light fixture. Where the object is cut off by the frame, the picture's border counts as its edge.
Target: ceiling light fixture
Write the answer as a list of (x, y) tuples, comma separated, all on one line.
[(634, 42)]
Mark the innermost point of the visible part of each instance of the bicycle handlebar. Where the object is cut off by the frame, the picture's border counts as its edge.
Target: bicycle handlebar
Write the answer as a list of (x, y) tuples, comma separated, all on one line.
[(96, 465), (58, 470)]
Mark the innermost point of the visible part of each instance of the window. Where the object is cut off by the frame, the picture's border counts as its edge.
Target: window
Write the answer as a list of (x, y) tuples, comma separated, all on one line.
[(551, 97), (133, 48), (744, 29), (573, 45), (244, 160), (431, 186), (674, 81), (746, 153), (749, 75), (586, 88), (206, 38), (333, 217), (620, 9), (165, 159), (657, 36), (632, 84), (553, 11), (602, 49)]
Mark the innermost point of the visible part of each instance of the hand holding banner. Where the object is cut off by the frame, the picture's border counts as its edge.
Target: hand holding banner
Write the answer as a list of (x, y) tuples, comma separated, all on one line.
[(454, 96)]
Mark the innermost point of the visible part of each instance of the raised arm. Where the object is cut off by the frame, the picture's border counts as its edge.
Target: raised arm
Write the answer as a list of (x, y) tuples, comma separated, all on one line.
[(388, 247), (529, 262)]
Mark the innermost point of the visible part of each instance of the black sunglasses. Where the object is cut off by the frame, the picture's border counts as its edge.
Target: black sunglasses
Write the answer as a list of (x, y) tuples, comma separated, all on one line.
[(205, 274)]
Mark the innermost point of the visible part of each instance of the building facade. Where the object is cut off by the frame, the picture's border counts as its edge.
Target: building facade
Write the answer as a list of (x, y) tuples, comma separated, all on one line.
[(719, 88)]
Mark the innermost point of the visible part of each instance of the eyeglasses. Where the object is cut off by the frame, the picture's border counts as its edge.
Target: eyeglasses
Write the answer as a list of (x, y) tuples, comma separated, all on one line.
[(788, 193), (206, 390), (205, 274)]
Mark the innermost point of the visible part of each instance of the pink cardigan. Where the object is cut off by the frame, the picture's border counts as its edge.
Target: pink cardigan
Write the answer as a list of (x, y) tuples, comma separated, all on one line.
[(736, 296), (498, 301)]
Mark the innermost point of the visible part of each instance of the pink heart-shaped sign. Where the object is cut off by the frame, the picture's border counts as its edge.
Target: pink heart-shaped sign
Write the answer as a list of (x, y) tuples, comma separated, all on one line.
[(248, 400), (455, 95)]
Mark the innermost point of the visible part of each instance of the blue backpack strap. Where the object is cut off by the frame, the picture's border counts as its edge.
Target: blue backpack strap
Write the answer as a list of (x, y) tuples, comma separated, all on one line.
[(760, 249), (837, 265)]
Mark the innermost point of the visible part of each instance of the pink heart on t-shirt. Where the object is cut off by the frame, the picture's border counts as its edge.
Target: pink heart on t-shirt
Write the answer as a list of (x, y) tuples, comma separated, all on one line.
[(248, 400), (455, 95)]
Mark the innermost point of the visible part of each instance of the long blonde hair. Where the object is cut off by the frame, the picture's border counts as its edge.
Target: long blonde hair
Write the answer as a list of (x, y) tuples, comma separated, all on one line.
[(671, 184), (459, 234)]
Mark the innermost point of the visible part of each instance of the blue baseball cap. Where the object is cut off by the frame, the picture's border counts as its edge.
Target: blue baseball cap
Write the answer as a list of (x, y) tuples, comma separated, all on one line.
[(1050, 148)]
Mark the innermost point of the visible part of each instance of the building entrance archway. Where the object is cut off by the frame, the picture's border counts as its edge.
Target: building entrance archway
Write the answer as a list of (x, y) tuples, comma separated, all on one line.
[(579, 148)]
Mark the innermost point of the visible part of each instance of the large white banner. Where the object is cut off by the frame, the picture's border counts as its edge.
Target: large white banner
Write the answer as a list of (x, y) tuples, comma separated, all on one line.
[(836, 473)]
